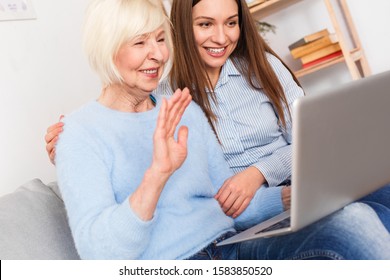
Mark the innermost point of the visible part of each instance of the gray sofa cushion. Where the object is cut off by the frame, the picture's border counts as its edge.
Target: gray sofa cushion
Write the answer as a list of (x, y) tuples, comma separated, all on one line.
[(33, 224)]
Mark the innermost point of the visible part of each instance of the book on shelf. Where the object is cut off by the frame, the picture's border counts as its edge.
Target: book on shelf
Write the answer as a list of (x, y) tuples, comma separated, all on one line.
[(314, 45), (309, 38), (322, 59), (320, 53)]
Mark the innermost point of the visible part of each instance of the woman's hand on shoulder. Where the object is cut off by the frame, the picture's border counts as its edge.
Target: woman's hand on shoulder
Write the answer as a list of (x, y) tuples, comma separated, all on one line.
[(51, 139), (236, 193)]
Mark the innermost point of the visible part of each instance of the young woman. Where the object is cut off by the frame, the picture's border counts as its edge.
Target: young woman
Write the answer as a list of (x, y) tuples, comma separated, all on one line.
[(125, 194), (246, 92), (244, 89)]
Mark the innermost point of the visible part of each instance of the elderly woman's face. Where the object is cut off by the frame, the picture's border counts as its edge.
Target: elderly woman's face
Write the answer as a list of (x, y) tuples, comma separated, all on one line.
[(141, 61)]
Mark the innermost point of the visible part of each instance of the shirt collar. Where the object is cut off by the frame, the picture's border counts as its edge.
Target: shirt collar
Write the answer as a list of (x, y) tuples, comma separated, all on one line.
[(228, 69)]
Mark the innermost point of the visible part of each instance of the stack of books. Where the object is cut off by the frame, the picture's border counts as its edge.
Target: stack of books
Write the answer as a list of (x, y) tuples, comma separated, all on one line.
[(316, 48)]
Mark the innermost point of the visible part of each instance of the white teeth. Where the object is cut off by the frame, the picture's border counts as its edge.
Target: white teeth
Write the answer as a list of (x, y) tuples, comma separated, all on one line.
[(216, 50), (150, 71)]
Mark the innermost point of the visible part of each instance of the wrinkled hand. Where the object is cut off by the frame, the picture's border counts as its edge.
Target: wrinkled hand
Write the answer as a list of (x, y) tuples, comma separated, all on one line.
[(236, 192), (51, 139), (286, 197), (169, 153)]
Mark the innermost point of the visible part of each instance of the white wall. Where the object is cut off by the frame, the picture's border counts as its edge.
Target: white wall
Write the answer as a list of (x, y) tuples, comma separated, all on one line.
[(43, 72)]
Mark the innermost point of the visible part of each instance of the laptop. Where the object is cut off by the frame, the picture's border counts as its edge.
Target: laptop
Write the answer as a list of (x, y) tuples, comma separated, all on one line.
[(340, 153)]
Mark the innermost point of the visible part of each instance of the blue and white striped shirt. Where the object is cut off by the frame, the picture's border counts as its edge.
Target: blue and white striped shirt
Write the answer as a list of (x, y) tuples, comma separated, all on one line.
[(248, 126)]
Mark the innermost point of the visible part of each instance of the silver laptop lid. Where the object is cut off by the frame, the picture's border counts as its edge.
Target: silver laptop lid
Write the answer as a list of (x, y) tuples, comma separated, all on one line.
[(340, 147)]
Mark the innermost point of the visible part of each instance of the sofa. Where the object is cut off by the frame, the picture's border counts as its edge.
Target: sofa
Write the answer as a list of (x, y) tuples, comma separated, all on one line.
[(34, 225)]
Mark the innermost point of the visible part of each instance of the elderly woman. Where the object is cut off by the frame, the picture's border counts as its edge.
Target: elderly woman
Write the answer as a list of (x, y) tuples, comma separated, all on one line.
[(136, 187)]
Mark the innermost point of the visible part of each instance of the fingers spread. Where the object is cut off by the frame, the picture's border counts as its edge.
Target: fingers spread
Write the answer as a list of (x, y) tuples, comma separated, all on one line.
[(178, 104)]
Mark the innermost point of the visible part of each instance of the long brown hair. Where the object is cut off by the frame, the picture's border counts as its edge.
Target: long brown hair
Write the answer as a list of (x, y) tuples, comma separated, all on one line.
[(188, 69)]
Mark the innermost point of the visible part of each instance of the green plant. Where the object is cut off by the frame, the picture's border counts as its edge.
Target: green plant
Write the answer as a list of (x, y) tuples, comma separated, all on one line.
[(265, 27)]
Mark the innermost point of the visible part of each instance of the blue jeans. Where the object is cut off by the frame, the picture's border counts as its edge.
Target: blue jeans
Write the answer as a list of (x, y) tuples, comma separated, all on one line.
[(380, 202), (354, 232)]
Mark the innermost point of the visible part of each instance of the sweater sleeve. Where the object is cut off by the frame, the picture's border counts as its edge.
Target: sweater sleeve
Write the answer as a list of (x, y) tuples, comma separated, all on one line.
[(276, 167), (101, 227)]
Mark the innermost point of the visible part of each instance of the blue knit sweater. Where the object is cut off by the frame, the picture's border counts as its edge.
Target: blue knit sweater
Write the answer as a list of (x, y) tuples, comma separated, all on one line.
[(101, 158)]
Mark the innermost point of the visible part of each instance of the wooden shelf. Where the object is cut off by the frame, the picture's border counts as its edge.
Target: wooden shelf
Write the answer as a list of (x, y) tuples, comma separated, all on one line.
[(309, 70), (355, 54), (262, 8), (354, 59)]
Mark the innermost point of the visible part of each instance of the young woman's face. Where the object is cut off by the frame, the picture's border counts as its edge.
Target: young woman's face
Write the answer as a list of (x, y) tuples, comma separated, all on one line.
[(216, 31), (141, 61)]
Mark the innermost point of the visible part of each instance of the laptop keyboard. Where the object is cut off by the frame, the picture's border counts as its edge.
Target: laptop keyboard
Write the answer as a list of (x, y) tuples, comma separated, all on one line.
[(281, 224)]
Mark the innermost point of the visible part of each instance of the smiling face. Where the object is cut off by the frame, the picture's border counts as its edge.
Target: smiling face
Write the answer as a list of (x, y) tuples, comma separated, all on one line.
[(141, 61), (216, 31)]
